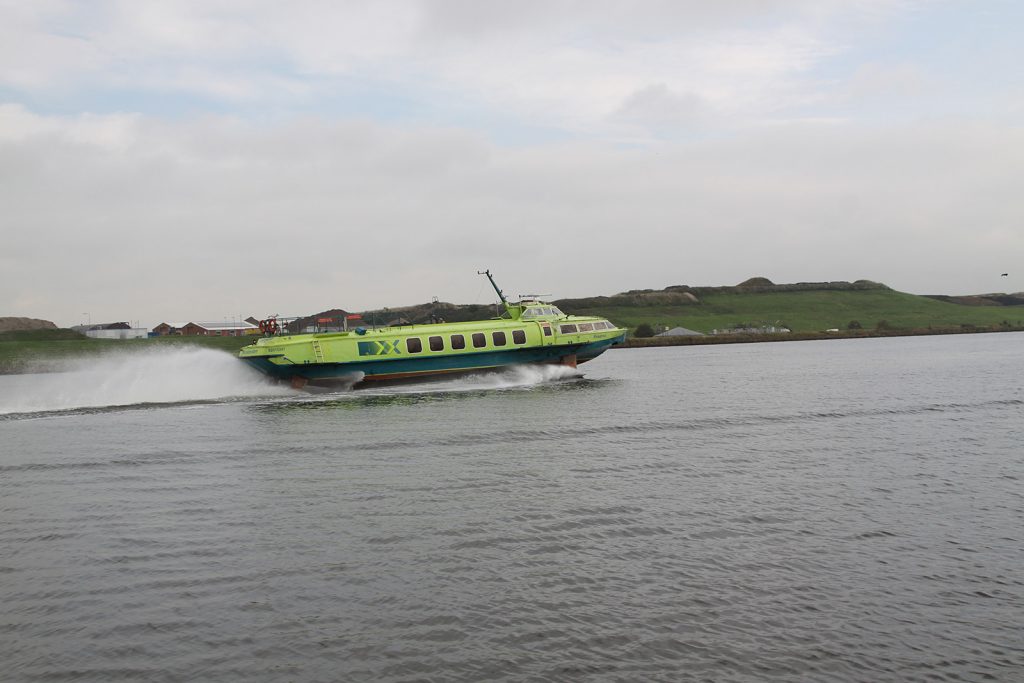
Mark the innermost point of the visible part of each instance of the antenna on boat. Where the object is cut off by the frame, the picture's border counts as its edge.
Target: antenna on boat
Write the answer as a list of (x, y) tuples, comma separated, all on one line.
[(489, 277)]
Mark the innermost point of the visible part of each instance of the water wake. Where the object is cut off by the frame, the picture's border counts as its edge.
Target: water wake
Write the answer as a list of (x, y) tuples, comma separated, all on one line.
[(124, 379), (178, 375), (515, 377)]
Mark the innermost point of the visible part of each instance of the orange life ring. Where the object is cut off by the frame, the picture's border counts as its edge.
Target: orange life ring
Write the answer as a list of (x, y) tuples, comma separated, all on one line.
[(272, 326)]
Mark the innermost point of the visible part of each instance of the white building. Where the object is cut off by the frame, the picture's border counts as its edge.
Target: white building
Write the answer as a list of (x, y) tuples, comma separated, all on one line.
[(112, 331), (130, 333)]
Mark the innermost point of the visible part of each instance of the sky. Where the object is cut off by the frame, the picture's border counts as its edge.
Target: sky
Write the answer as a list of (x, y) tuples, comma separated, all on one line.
[(214, 159)]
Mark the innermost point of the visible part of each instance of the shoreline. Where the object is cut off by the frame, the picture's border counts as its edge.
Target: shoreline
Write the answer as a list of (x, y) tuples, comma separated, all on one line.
[(54, 356), (707, 340)]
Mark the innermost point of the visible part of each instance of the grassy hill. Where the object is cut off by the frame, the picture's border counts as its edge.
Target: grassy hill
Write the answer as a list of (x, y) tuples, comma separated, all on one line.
[(803, 311), (802, 307)]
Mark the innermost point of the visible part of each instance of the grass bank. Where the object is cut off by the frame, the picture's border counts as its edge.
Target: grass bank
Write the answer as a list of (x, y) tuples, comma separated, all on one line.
[(806, 313), (812, 311)]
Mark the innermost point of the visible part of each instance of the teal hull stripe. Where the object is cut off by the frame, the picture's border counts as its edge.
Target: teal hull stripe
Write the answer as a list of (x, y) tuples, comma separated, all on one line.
[(427, 364)]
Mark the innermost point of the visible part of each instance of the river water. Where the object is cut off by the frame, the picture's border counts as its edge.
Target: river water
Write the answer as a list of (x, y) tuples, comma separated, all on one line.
[(815, 511)]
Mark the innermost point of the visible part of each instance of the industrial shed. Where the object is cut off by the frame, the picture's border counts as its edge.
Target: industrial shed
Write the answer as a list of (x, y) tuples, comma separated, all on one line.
[(679, 332)]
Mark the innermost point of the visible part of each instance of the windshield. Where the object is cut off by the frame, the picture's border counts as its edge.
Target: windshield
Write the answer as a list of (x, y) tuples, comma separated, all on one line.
[(541, 311)]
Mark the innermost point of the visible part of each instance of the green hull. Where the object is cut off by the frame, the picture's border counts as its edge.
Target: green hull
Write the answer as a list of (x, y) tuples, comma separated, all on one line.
[(531, 333)]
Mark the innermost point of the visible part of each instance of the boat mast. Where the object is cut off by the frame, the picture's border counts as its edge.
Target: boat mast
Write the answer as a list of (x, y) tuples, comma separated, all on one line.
[(500, 295)]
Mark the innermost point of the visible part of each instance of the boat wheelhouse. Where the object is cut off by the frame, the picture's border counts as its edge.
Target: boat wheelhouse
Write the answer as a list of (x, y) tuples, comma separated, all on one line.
[(528, 332)]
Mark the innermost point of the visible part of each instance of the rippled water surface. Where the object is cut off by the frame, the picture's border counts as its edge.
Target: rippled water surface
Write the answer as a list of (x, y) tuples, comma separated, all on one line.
[(845, 510)]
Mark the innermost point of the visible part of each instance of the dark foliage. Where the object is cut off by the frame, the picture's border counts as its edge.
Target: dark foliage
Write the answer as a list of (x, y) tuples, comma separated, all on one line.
[(643, 330)]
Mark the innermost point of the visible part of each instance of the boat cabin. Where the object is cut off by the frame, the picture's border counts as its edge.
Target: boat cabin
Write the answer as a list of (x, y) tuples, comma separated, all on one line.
[(531, 309)]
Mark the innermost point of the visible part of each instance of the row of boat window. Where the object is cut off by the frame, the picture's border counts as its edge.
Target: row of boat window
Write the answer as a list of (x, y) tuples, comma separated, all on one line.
[(585, 327), (479, 339), (458, 341)]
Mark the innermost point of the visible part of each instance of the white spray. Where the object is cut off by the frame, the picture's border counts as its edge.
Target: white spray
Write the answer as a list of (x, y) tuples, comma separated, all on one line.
[(153, 376)]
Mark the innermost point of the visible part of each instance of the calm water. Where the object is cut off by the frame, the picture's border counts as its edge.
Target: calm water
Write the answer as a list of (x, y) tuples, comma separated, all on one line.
[(813, 511)]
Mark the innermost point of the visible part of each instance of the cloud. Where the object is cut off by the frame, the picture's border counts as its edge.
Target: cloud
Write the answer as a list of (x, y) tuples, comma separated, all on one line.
[(874, 80), (17, 124), (656, 107), (205, 159), (568, 64), (133, 217)]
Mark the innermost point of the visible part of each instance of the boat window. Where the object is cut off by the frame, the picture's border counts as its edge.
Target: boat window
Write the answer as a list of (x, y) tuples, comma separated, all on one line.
[(547, 331), (498, 338), (550, 311), (518, 337), (479, 340), (458, 341), (567, 329), (586, 327), (414, 344), (531, 313), (555, 311), (436, 344)]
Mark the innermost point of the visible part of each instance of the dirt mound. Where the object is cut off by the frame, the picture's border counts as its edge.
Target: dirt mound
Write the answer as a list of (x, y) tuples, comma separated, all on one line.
[(19, 324), (756, 282)]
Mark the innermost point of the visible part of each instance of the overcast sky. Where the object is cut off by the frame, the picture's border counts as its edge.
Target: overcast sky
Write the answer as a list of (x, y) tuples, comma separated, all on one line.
[(204, 160)]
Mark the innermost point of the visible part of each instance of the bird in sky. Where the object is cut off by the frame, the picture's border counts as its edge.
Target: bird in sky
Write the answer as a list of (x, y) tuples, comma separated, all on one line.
[(1004, 275)]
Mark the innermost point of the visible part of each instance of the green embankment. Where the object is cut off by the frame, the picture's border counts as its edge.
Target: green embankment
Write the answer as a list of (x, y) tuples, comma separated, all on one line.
[(811, 311), (806, 313), (40, 349)]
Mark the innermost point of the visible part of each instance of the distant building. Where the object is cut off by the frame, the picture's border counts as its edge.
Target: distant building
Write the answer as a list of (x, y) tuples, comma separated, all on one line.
[(120, 330), (210, 329), (228, 329), (164, 329), (679, 332)]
